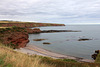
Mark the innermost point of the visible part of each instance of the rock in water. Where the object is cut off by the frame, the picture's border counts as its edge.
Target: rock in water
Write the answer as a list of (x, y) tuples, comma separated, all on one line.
[(95, 54), (46, 43), (84, 39), (38, 39)]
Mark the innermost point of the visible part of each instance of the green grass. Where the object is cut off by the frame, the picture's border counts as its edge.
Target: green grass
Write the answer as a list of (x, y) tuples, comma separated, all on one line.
[(68, 60), (11, 58), (98, 58), (14, 22)]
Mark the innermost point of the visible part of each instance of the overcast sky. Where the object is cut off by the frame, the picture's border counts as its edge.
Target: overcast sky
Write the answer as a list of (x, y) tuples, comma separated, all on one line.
[(54, 11)]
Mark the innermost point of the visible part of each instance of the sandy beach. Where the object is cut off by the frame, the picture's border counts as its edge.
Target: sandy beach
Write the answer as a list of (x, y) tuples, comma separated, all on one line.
[(34, 50)]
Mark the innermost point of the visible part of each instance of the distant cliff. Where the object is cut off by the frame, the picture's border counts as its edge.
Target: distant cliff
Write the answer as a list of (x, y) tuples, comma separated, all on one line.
[(26, 24)]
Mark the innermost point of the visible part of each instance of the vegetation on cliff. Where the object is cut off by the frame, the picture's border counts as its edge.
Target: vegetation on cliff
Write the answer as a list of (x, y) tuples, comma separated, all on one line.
[(98, 59)]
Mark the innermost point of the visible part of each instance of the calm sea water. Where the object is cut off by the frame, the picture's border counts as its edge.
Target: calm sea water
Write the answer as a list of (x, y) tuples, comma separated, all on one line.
[(67, 42)]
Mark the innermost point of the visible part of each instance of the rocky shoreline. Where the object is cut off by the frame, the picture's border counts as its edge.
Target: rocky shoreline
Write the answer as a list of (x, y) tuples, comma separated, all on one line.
[(53, 31), (37, 30)]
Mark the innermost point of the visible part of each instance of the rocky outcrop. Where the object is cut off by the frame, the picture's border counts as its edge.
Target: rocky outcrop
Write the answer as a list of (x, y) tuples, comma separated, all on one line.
[(35, 30), (46, 43), (52, 31), (95, 54), (84, 39)]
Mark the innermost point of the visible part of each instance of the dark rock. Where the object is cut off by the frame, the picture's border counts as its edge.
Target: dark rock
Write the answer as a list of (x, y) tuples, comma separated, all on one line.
[(46, 43), (52, 31), (84, 39), (37, 30), (95, 54), (97, 51)]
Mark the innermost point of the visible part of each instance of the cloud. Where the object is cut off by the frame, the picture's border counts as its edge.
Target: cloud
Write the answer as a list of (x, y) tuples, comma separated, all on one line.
[(50, 10)]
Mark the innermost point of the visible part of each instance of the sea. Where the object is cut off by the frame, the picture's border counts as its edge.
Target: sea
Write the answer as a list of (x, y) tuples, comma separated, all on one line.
[(67, 42)]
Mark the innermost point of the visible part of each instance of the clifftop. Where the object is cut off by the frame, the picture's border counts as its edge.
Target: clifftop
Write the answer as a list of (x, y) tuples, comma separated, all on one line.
[(26, 24)]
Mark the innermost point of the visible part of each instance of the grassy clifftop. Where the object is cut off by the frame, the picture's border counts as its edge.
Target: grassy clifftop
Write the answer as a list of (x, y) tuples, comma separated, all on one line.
[(26, 24), (98, 58), (6, 21), (11, 58)]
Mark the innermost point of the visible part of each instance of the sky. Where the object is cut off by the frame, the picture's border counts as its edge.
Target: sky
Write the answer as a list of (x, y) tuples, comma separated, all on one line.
[(51, 11)]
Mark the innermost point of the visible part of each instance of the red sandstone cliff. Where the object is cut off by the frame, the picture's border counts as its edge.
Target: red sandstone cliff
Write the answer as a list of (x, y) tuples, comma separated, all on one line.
[(15, 38)]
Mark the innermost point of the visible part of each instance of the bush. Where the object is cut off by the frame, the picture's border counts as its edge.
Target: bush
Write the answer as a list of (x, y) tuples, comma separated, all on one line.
[(8, 28), (12, 45)]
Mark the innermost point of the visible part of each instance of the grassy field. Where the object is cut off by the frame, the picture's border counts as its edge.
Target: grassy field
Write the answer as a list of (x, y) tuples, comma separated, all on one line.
[(98, 59), (14, 22), (11, 58), (26, 24), (21, 22)]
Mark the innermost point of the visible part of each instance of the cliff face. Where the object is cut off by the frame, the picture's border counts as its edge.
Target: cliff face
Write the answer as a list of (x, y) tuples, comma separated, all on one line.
[(15, 38)]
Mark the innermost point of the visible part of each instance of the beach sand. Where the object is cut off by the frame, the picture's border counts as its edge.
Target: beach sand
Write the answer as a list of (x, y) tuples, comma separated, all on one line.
[(34, 50)]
